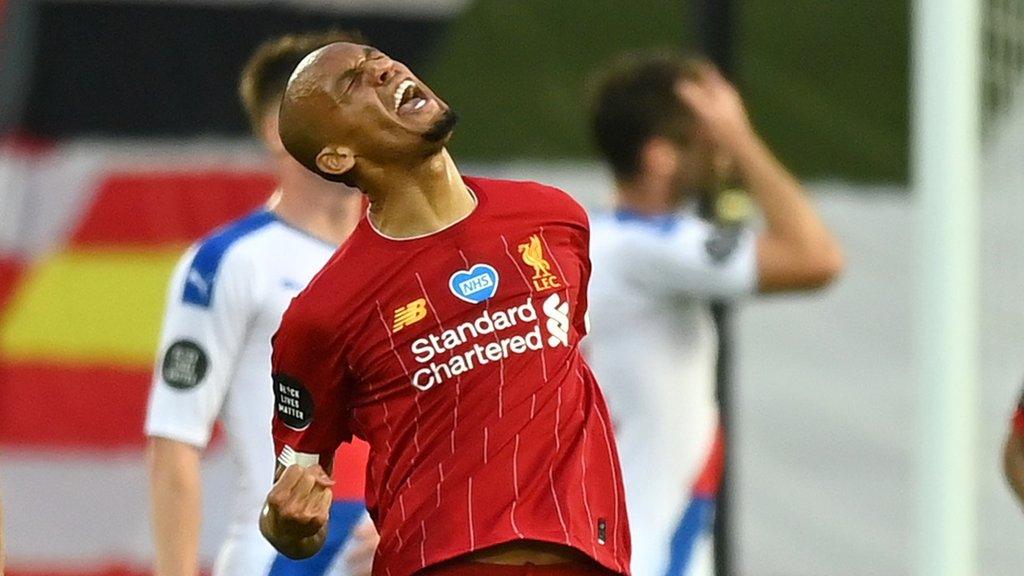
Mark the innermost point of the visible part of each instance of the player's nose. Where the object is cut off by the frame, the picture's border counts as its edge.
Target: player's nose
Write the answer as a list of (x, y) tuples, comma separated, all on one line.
[(382, 70)]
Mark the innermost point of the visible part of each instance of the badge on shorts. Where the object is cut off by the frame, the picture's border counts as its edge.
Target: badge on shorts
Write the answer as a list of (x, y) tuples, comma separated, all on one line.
[(185, 365), (294, 404), (475, 285)]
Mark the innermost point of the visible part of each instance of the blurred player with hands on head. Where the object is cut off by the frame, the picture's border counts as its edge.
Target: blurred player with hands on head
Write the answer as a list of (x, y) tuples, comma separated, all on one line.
[(445, 332), (675, 131), (226, 299)]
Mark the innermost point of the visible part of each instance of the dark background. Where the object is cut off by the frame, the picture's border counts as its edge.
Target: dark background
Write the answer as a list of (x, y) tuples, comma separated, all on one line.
[(826, 82)]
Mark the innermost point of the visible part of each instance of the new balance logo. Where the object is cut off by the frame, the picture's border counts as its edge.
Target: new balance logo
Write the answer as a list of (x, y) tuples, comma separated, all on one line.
[(410, 314), (558, 320)]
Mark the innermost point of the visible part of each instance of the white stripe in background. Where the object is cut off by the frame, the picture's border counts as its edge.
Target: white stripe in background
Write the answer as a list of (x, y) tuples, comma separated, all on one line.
[(43, 196), (70, 512), (414, 8)]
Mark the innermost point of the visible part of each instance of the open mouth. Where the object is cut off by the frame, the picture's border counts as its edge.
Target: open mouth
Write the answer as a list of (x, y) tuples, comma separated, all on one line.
[(409, 97)]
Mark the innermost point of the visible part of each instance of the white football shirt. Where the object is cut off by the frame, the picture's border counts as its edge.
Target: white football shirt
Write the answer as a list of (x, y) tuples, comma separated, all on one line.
[(226, 299), (653, 347)]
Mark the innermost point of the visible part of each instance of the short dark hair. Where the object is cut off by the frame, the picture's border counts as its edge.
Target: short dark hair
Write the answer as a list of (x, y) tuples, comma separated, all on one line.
[(265, 75), (634, 99)]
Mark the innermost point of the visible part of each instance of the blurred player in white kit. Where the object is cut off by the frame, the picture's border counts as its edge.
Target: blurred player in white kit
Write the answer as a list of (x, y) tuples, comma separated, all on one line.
[(673, 130), (225, 302)]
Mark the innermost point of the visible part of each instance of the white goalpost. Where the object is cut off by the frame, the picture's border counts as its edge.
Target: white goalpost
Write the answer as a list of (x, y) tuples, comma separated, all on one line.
[(946, 132)]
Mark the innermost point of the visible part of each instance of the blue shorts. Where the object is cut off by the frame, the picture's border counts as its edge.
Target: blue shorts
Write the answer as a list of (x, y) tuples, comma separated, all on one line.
[(345, 514)]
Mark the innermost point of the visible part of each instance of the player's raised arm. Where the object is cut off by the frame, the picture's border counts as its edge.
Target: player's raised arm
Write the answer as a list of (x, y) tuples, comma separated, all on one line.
[(796, 250)]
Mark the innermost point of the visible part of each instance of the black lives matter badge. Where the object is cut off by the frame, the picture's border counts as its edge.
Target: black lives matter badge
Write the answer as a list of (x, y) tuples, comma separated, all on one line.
[(294, 403), (185, 365)]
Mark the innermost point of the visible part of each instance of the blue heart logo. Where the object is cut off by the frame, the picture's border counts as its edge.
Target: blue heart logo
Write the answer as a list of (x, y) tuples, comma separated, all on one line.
[(475, 285)]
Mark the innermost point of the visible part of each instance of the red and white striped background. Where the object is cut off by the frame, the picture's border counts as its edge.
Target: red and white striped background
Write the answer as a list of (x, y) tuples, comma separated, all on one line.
[(88, 237)]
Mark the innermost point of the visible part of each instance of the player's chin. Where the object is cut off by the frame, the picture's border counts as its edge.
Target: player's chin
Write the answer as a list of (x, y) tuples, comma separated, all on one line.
[(441, 126)]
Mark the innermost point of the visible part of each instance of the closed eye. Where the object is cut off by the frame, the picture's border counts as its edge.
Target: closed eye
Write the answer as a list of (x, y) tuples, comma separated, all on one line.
[(351, 83), (353, 74)]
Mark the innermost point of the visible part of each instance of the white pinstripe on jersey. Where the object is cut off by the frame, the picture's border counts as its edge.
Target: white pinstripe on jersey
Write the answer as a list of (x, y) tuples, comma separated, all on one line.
[(451, 353), (501, 361), (551, 468), (515, 486)]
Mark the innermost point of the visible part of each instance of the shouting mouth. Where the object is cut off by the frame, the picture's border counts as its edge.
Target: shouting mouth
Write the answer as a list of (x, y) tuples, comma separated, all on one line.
[(409, 98)]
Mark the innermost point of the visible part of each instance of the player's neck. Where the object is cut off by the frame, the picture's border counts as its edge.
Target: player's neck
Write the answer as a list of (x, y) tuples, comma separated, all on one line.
[(417, 200), (644, 197), (324, 209)]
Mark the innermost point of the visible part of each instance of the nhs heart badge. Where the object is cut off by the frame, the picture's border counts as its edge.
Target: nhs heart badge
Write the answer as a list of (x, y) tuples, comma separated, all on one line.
[(475, 285)]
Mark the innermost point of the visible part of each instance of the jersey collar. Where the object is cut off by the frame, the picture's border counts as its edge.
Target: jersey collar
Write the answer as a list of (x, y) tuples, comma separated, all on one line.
[(663, 223)]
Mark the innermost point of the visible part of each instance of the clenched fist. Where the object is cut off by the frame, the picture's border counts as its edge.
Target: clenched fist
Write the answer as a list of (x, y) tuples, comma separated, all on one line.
[(295, 517)]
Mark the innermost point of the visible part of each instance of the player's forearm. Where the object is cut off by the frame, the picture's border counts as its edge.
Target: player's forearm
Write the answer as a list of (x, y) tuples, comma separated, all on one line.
[(1013, 465), (291, 545), (789, 215), (176, 502)]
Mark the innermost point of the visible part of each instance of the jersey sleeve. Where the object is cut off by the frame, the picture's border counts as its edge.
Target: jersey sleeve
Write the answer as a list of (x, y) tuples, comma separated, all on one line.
[(311, 387), (581, 320), (695, 258), (569, 210), (199, 347)]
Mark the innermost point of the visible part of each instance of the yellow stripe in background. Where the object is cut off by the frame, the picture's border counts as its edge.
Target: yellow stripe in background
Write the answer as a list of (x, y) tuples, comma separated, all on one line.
[(93, 307)]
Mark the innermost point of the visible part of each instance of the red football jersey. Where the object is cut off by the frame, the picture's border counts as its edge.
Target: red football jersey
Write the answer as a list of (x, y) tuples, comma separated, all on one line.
[(456, 357)]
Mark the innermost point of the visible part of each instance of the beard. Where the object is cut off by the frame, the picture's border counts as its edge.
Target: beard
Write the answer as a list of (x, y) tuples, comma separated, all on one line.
[(442, 129)]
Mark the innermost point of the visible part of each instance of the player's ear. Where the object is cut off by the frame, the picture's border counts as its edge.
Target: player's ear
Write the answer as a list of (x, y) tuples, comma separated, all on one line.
[(335, 160), (269, 133)]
